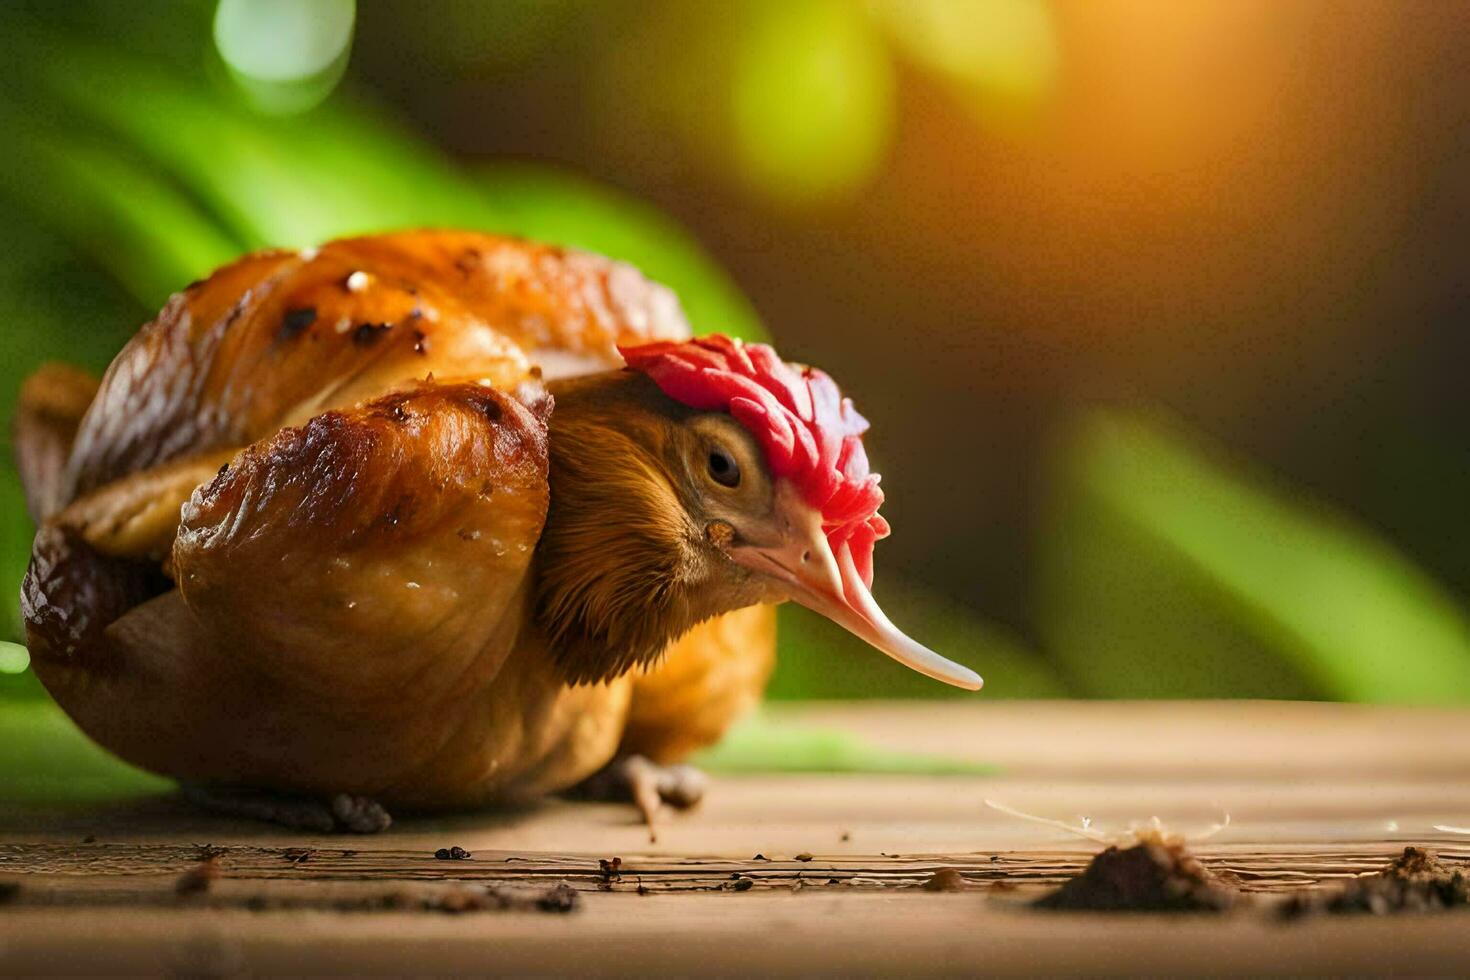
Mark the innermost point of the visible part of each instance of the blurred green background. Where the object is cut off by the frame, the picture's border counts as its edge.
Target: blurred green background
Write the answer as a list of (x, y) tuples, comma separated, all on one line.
[(1159, 308)]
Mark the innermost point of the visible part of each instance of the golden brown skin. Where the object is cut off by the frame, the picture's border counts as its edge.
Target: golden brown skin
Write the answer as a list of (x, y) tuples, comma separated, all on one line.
[(288, 545)]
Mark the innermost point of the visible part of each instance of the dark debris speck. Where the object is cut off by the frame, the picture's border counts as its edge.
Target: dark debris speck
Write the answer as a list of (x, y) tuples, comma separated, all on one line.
[(945, 880), (561, 897), (1150, 876), (198, 879), (455, 853), (1417, 881)]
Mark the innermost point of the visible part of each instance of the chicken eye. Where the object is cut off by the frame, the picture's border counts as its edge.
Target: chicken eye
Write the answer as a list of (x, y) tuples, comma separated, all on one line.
[(723, 469)]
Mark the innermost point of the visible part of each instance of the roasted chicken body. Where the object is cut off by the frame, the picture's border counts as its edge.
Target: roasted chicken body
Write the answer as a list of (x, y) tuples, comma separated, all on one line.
[(391, 518)]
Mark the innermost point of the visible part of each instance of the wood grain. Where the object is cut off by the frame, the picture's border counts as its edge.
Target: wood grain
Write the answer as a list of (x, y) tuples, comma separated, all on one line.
[(1316, 793)]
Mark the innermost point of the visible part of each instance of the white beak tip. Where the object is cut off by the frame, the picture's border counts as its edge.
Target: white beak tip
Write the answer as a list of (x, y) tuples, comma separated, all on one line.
[(961, 677)]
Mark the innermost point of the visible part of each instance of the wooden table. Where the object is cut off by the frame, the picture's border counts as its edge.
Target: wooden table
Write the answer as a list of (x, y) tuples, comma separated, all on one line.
[(1315, 793)]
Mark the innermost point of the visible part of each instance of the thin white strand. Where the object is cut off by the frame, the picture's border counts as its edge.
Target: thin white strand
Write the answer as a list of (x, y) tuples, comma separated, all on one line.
[(1083, 832), (1211, 830)]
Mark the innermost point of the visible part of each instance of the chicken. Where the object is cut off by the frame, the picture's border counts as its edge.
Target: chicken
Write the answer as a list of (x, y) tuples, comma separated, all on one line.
[(389, 524)]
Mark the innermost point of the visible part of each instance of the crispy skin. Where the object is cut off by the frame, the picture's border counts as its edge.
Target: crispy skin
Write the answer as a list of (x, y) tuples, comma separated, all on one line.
[(69, 597), (389, 541), (138, 515), (348, 617), (47, 412), (353, 605), (279, 337)]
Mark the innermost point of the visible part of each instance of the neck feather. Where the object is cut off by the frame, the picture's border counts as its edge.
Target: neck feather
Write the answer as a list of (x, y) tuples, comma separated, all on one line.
[(620, 569)]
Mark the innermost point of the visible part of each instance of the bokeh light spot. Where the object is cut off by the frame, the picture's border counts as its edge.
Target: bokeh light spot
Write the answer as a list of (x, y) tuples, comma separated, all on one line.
[(1001, 53), (285, 55), (14, 658), (812, 100)]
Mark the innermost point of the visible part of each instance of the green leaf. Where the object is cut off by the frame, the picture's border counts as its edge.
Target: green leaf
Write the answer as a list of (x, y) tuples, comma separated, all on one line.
[(55, 306), (272, 181), (139, 228), (48, 760), (1171, 571), (762, 745)]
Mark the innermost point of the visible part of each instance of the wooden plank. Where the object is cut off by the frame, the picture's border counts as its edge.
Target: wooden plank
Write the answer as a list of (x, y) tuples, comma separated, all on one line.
[(1316, 793), (751, 933)]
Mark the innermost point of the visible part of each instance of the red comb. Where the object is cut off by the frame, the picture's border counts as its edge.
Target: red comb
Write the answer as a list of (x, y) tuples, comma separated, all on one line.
[(810, 434)]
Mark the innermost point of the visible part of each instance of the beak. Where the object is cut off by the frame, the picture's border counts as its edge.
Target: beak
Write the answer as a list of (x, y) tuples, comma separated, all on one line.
[(828, 583)]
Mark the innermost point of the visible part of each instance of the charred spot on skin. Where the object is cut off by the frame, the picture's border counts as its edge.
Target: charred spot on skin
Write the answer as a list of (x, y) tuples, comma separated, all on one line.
[(296, 320), (402, 510), (394, 408), (369, 333), (486, 404), (469, 260), (420, 338)]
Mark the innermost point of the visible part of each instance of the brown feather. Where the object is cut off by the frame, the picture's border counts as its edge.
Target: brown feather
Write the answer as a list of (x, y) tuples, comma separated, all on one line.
[(625, 566), (616, 539)]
